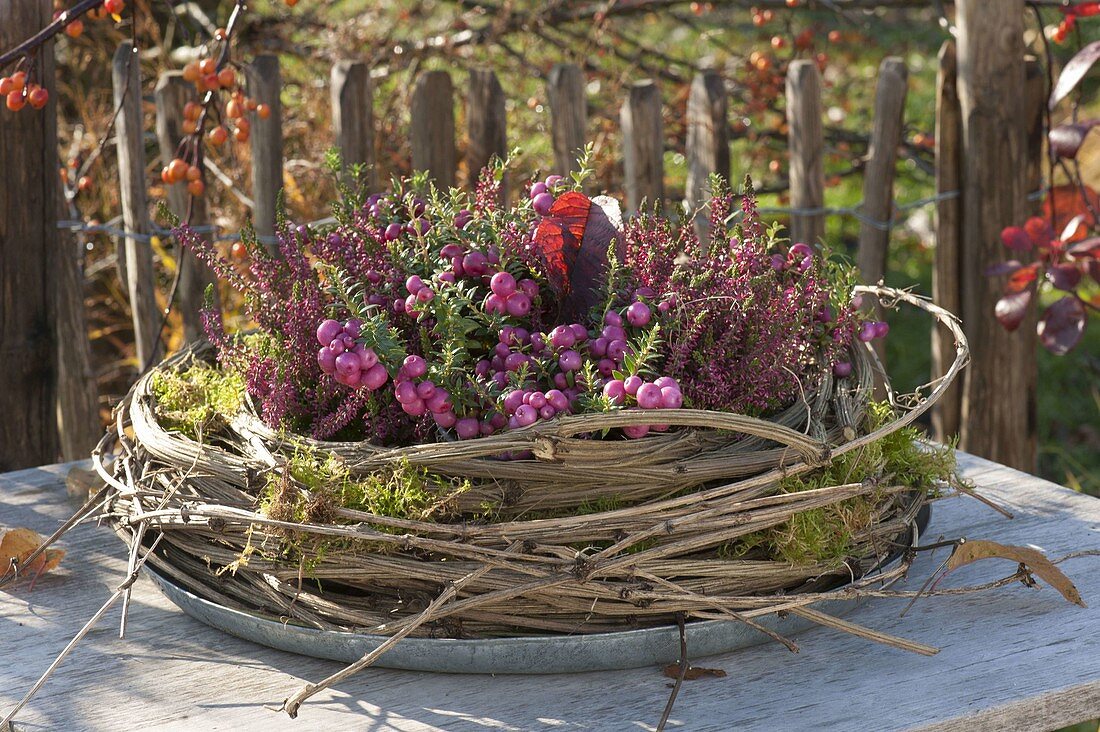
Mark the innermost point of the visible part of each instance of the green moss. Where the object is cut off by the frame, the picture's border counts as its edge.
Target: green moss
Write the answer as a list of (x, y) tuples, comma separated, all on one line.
[(826, 534), (197, 400)]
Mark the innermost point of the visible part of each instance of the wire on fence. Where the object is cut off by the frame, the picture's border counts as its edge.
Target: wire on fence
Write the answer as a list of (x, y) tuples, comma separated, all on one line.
[(852, 211)]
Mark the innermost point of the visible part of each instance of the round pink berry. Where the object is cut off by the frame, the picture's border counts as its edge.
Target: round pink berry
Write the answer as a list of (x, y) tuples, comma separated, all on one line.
[(569, 360), (326, 359), (526, 415), (580, 333), (494, 303), (606, 367), (347, 364), (415, 366), (503, 284), (446, 420), (615, 390), (517, 305), (632, 384), (671, 398), (663, 381), (557, 399), (413, 284), (404, 392), (547, 412), (375, 377), (635, 431), (450, 251), (612, 318), (599, 347), (367, 357), (425, 294), (467, 428), (843, 369), (440, 401), (425, 389), (536, 399), (542, 203), (649, 396), (538, 189), (415, 408), (328, 330), (638, 314), (562, 337), (475, 264), (529, 287), (617, 349)]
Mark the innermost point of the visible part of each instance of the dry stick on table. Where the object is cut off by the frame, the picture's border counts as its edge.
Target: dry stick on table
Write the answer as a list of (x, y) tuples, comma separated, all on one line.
[(140, 285), (172, 93), (264, 85), (291, 705), (680, 677), (643, 145), (948, 262), (352, 95), (565, 90), (807, 147), (5, 723), (708, 143), (433, 127), (486, 130)]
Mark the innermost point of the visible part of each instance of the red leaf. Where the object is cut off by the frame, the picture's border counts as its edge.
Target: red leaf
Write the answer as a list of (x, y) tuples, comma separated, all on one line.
[(1066, 140), (559, 236), (1076, 230), (1074, 71), (1011, 309), (1087, 249), (1064, 276), (1061, 325), (1069, 202), (572, 241), (1016, 239), (1022, 278)]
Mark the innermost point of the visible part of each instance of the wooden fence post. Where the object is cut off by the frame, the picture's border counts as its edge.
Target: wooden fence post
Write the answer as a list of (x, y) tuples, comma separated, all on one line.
[(28, 231), (433, 127), (708, 142), (172, 93), (1034, 105), (568, 115), (485, 124), (264, 85), (999, 406), (130, 136), (352, 94), (878, 176), (806, 142), (643, 145), (946, 274)]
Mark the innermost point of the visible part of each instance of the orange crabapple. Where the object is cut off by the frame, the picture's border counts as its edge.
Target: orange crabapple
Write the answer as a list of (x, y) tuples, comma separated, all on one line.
[(37, 96), (196, 188), (218, 136), (15, 101)]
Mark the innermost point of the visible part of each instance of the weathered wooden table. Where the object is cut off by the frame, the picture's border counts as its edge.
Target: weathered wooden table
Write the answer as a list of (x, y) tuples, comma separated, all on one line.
[(1012, 659)]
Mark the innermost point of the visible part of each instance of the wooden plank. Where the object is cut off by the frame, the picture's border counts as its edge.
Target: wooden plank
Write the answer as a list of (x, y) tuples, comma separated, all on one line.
[(1032, 668), (76, 398), (28, 233), (264, 85), (643, 145), (806, 141), (1035, 103), (946, 273), (171, 94), (433, 127), (485, 124), (878, 175), (708, 142), (568, 115), (130, 144), (998, 413), (352, 94)]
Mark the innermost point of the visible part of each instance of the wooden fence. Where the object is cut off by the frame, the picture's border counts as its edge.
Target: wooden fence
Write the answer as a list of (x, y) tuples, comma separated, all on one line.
[(982, 160)]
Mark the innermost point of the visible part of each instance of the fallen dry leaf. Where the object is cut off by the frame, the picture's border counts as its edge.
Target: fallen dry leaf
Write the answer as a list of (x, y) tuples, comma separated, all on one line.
[(694, 672), (1033, 559), (18, 544)]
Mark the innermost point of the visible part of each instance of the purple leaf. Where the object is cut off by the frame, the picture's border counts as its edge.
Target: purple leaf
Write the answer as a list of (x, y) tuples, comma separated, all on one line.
[(1016, 239), (1011, 309), (1066, 140), (1064, 276), (1022, 278), (1002, 268), (1074, 71), (1087, 249), (1061, 325)]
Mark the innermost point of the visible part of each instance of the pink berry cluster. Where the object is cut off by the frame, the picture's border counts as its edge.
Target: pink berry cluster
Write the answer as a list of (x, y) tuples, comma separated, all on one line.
[(383, 207), (346, 360), (524, 407), (542, 194), (662, 393)]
